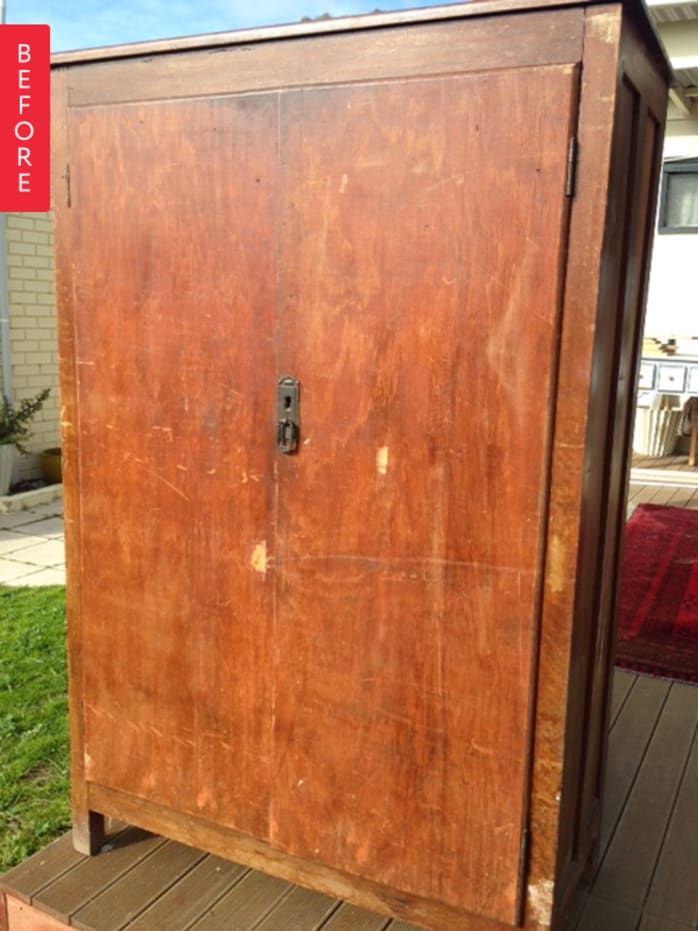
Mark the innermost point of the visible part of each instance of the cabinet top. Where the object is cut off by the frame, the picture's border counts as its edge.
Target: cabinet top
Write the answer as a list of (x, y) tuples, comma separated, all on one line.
[(453, 11)]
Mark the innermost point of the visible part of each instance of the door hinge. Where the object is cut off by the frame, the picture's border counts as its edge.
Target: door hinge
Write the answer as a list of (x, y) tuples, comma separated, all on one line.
[(572, 151), (67, 185)]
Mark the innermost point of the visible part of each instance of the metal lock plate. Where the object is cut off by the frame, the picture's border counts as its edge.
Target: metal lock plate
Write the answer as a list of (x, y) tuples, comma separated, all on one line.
[(288, 414)]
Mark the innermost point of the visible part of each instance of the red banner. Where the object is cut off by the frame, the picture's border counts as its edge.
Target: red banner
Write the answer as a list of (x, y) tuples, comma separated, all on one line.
[(25, 143)]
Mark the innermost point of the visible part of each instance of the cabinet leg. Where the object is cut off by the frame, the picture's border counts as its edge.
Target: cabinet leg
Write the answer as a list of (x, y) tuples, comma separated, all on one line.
[(89, 832)]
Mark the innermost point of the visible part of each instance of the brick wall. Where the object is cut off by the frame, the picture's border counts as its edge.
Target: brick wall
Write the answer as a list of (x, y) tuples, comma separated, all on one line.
[(33, 326)]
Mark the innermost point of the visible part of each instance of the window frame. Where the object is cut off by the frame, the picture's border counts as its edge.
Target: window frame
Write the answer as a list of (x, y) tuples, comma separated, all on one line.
[(680, 166)]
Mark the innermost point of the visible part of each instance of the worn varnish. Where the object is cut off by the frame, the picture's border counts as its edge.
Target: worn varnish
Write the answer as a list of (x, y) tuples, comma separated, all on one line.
[(391, 678), (366, 667)]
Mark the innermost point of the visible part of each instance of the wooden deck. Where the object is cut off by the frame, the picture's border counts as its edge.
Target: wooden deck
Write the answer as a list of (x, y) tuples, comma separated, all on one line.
[(663, 463), (668, 470), (668, 495), (647, 878)]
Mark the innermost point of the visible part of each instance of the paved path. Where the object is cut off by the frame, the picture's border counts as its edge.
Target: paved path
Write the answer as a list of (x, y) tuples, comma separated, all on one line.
[(31, 546)]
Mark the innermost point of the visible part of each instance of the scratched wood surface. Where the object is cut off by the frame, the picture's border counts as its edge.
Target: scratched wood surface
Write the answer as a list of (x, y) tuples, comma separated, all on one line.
[(645, 878), (279, 660), (423, 525), (634, 168), (373, 325), (175, 392), (591, 446)]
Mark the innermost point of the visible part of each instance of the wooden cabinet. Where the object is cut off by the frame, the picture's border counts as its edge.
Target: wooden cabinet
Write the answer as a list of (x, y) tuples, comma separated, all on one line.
[(377, 665)]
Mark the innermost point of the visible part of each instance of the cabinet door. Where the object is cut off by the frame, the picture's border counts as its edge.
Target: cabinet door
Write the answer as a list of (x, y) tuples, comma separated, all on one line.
[(422, 246), (173, 224)]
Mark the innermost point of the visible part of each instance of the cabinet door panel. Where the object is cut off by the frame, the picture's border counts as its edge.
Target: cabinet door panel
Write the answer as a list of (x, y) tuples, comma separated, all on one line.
[(423, 238), (175, 225)]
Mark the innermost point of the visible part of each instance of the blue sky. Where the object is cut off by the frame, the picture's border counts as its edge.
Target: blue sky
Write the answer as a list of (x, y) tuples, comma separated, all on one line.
[(87, 23)]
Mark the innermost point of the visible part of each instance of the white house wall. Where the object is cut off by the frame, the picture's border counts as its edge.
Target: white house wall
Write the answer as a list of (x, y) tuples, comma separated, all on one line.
[(672, 300)]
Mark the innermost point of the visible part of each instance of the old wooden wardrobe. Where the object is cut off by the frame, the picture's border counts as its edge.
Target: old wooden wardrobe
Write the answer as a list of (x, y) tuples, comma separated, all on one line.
[(355, 628)]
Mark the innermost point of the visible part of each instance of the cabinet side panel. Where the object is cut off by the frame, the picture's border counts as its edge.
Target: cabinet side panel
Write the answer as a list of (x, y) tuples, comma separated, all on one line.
[(638, 127), (582, 289), (596, 475), (645, 84)]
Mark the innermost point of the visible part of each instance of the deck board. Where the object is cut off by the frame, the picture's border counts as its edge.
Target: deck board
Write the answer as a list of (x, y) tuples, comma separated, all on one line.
[(188, 898), (599, 915), (628, 743), (245, 905), (125, 899), (674, 890), (677, 463), (45, 867), (92, 875), (652, 923), (623, 683), (351, 918), (642, 824), (300, 910)]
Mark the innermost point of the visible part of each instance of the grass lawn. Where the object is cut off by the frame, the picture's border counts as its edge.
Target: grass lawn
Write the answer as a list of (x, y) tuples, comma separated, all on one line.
[(34, 775)]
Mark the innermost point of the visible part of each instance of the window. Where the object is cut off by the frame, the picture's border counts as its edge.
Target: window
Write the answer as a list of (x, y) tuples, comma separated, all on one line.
[(678, 210)]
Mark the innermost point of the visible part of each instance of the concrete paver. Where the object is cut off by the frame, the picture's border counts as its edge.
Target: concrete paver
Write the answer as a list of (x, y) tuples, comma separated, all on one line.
[(15, 519), (12, 541), (49, 527), (42, 577), (47, 553), (31, 546), (12, 572)]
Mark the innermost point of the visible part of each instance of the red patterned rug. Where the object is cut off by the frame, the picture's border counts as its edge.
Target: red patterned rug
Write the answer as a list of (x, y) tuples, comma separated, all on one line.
[(658, 604)]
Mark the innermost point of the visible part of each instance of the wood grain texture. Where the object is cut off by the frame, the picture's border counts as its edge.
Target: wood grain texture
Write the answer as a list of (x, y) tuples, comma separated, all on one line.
[(316, 28), (432, 48), (23, 917), (86, 839), (29, 877), (258, 854), (644, 76), (300, 910), (622, 686), (609, 916), (588, 670), (351, 918), (185, 901), (652, 798), (628, 741), (551, 804), (175, 374), (124, 900), (673, 890), (72, 890), (244, 905), (630, 152), (177, 905), (384, 628), (642, 170), (391, 681), (655, 923)]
